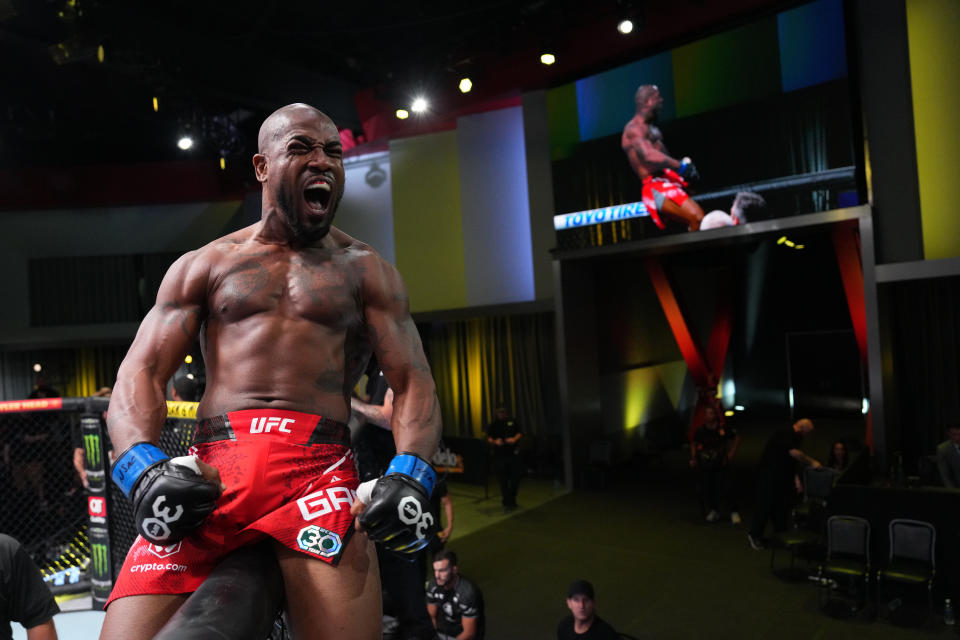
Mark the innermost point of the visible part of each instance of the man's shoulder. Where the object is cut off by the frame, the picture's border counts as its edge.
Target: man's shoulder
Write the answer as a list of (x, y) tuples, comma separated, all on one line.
[(357, 253), (216, 249), (466, 588), (8, 546), (602, 629), (945, 448), (344, 241)]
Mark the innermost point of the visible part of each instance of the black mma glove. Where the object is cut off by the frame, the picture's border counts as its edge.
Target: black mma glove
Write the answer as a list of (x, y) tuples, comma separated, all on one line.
[(398, 513), (688, 170), (170, 497)]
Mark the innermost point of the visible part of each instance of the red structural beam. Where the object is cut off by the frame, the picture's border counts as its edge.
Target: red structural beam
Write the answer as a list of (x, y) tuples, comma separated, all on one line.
[(671, 308), (846, 244)]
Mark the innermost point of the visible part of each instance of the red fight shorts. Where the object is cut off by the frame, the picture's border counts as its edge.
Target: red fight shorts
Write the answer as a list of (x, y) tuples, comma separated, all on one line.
[(656, 191), (290, 476)]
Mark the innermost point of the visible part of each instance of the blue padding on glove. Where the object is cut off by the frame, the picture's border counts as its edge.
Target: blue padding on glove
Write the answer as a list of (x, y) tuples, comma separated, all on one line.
[(133, 462), (410, 464)]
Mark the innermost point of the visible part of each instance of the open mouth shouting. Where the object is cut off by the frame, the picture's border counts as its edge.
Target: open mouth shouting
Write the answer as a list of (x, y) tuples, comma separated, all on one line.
[(317, 194)]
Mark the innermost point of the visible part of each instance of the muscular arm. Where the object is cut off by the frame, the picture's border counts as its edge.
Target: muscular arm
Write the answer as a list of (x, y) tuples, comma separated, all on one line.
[(469, 628), (433, 610), (800, 456), (393, 335), (138, 404), (45, 631), (447, 505), (379, 415)]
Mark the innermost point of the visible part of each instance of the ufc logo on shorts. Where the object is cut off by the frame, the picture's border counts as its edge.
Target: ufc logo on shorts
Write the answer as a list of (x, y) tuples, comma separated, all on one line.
[(263, 425), (412, 513), (162, 551), (322, 502), (157, 526)]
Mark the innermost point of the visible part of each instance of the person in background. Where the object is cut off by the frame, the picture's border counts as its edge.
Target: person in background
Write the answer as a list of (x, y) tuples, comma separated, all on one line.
[(24, 598), (777, 478), (838, 458), (583, 623), (454, 602), (664, 177), (402, 578), (713, 448), (948, 458), (503, 434)]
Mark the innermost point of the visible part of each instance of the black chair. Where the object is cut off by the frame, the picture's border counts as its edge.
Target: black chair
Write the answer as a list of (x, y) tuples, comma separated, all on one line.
[(599, 465), (912, 557), (817, 487), (848, 559), (806, 532)]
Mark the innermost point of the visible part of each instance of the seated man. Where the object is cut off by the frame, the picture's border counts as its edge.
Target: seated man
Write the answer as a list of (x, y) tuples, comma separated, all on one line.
[(664, 178), (23, 596), (454, 603), (948, 458), (584, 621)]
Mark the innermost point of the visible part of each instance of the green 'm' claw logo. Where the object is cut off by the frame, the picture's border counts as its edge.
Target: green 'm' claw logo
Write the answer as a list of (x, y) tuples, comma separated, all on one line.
[(91, 443), (319, 541), (99, 552)]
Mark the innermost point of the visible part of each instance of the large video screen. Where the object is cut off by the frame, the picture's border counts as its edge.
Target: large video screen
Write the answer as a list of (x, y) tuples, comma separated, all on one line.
[(764, 108)]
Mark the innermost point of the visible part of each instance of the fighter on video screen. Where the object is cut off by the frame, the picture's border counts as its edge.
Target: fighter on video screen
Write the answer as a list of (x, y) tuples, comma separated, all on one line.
[(664, 177)]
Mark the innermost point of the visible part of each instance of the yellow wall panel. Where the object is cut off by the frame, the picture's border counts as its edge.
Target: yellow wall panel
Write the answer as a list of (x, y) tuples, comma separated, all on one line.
[(428, 227), (933, 27)]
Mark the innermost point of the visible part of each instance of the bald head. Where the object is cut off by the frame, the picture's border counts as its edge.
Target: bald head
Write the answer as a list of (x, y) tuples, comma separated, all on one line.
[(273, 127), (644, 93)]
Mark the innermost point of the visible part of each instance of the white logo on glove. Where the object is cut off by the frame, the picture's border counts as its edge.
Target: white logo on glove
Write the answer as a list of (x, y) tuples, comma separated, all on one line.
[(162, 519), (410, 512)]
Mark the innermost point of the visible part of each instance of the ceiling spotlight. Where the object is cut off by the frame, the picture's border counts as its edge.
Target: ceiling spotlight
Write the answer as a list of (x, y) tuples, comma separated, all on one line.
[(781, 239), (548, 58), (156, 104), (419, 105), (185, 142), (789, 243), (223, 167), (465, 85), (403, 114), (728, 413), (188, 359), (799, 246), (625, 27), (100, 54), (37, 368)]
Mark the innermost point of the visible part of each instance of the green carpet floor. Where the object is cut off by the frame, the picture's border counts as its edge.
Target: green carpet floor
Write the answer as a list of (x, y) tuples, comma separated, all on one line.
[(659, 570)]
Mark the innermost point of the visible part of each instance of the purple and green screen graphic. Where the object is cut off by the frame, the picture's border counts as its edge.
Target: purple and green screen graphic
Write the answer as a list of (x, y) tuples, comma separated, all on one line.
[(795, 49)]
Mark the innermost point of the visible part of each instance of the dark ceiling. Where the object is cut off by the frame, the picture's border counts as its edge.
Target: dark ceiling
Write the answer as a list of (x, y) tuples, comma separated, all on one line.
[(217, 68)]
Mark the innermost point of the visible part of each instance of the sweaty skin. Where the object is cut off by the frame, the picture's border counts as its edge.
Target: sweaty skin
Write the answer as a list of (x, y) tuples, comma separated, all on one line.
[(288, 311), (643, 144)]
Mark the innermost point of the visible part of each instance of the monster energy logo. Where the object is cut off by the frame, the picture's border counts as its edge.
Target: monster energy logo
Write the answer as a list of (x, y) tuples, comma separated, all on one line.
[(92, 444), (99, 552)]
